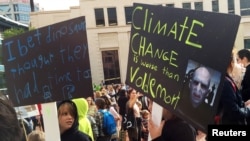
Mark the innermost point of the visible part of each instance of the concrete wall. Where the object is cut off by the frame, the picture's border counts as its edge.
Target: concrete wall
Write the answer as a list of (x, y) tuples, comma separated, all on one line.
[(118, 37)]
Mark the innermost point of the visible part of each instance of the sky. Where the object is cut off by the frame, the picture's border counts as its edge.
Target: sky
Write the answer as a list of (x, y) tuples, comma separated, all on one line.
[(48, 5)]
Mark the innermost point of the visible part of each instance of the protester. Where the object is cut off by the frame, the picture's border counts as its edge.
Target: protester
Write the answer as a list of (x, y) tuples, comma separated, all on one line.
[(24, 124), (10, 129), (101, 105), (238, 70), (232, 109), (92, 108), (244, 59), (123, 99), (145, 118), (144, 101), (38, 122), (98, 94), (132, 109), (68, 122), (36, 135), (82, 110), (93, 126), (171, 128)]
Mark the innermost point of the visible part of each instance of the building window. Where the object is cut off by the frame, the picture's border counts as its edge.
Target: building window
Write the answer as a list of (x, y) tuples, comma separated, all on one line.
[(99, 17), (215, 6), (128, 14), (170, 5), (16, 7), (244, 7), (24, 17), (17, 17), (186, 5), (230, 4), (198, 6), (112, 16), (4, 8), (247, 43), (111, 67)]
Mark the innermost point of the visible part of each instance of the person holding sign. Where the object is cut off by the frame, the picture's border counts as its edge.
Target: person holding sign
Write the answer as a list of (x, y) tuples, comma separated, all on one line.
[(68, 122), (232, 109), (171, 128)]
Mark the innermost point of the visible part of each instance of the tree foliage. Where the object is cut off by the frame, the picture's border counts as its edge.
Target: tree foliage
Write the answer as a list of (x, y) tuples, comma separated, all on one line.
[(14, 32)]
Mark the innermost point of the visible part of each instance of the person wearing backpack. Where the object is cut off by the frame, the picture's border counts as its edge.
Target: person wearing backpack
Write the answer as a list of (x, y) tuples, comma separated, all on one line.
[(115, 114), (104, 120)]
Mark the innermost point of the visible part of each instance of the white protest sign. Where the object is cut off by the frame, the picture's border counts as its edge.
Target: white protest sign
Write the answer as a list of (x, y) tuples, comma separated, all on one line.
[(50, 119)]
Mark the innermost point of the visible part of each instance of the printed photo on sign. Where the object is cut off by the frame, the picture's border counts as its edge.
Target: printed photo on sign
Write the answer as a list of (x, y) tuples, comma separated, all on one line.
[(198, 92)]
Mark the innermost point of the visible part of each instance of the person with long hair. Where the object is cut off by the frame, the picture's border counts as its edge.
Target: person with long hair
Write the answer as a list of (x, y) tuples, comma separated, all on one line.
[(10, 129), (132, 108)]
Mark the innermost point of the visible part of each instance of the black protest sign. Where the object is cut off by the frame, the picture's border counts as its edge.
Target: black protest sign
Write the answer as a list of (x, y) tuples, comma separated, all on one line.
[(168, 44), (48, 64)]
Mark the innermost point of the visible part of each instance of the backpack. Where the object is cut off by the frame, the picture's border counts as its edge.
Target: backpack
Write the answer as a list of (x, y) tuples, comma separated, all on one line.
[(109, 124)]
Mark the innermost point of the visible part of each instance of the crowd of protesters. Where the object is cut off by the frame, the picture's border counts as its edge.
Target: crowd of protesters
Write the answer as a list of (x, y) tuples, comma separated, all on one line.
[(80, 119)]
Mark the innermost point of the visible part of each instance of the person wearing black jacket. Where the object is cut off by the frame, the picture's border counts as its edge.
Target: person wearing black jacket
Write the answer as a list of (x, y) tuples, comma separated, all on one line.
[(68, 122), (172, 128), (244, 59), (123, 99), (232, 109)]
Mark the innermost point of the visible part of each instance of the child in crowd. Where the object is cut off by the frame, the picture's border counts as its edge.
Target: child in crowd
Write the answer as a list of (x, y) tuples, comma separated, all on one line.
[(68, 122), (145, 119), (36, 135), (82, 110)]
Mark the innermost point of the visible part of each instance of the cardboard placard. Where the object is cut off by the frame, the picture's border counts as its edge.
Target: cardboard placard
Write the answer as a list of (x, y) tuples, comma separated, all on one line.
[(166, 43), (48, 64)]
